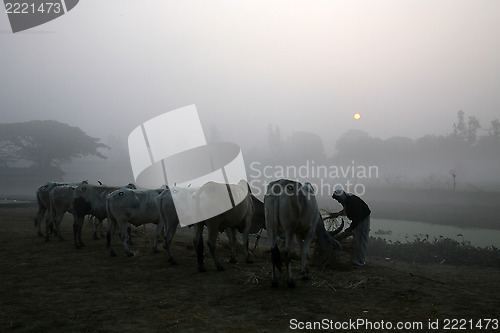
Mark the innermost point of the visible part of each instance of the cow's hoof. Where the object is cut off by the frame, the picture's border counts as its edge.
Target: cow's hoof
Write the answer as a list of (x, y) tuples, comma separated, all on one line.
[(202, 269), (61, 239), (233, 261), (47, 239), (77, 246), (172, 261), (306, 277), (290, 284), (249, 261), (39, 234), (95, 237), (82, 245), (112, 253), (274, 284), (130, 254), (155, 250), (220, 268)]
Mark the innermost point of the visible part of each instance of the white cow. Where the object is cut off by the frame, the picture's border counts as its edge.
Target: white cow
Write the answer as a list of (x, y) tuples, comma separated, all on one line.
[(291, 210), (43, 199), (206, 202), (129, 206), (90, 200), (61, 201)]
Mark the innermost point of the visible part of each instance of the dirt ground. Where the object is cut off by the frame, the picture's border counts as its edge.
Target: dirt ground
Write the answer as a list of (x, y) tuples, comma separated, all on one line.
[(52, 287)]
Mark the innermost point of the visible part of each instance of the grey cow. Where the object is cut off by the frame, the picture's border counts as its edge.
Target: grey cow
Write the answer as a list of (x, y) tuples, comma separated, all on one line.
[(43, 199), (239, 217), (291, 210), (90, 200), (129, 206)]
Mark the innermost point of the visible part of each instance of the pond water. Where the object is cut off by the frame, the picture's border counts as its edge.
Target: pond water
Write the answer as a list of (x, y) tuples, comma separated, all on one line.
[(401, 230)]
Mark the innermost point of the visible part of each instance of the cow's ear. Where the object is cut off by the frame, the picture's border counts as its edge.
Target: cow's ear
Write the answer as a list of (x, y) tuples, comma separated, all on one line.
[(306, 191), (309, 188)]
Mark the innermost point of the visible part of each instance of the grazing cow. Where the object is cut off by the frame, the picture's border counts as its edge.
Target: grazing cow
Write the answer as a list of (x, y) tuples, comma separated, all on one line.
[(291, 210), (43, 199), (90, 200), (258, 221), (239, 217), (128, 206), (61, 201)]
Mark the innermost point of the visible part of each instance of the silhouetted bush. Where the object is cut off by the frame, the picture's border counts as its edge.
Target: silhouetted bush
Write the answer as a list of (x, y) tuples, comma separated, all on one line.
[(437, 251)]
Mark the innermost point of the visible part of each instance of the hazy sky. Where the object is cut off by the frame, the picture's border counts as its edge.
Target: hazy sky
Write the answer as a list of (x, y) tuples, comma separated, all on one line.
[(406, 66)]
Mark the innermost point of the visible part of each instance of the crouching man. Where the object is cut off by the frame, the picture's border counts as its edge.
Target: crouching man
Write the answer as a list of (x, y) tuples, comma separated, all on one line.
[(359, 213)]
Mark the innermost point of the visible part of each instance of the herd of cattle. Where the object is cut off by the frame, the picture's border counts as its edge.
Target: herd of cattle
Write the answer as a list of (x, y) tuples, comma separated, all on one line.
[(289, 210)]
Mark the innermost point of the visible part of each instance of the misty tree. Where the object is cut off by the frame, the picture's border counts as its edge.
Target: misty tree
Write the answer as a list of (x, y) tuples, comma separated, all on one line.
[(45, 143), (472, 127), (494, 131), (305, 146), (453, 174), (274, 140), (460, 128), (359, 146)]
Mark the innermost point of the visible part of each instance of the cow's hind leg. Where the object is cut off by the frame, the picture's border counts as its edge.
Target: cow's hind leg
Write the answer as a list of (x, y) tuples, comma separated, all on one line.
[(198, 245), (77, 227), (304, 252), (57, 224), (38, 220), (129, 234), (159, 226), (96, 226), (123, 235), (80, 227), (48, 223), (101, 229), (170, 231), (275, 257), (213, 232), (245, 241), (276, 263), (230, 232), (109, 237), (288, 261)]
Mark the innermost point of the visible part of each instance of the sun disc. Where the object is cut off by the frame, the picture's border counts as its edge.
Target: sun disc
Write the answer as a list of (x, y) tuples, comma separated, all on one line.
[(357, 116)]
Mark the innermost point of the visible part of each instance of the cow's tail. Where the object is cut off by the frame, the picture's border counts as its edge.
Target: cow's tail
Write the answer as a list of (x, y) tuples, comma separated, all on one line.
[(52, 214), (275, 251), (112, 225), (40, 204), (163, 217)]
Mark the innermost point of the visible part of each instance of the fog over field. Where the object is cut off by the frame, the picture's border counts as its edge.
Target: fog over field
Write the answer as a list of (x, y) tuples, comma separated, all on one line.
[(397, 102), (282, 79)]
